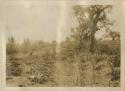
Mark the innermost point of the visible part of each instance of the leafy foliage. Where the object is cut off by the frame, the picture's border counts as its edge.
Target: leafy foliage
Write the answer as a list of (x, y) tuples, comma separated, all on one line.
[(90, 19)]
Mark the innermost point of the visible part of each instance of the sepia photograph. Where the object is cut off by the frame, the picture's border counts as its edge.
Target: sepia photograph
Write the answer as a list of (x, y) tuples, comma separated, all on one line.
[(63, 46)]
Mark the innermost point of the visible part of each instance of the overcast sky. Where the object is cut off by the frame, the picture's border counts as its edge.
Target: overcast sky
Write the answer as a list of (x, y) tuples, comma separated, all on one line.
[(40, 22)]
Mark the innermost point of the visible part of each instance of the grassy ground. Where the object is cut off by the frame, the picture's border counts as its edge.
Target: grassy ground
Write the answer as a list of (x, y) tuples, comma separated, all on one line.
[(39, 72)]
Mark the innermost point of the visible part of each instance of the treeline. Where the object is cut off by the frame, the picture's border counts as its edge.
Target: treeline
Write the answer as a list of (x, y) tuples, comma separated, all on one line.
[(28, 47)]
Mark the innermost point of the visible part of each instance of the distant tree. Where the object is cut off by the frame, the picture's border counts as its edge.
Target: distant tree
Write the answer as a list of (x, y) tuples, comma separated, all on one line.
[(26, 46), (67, 48), (90, 20), (54, 44), (113, 35), (12, 47), (53, 48)]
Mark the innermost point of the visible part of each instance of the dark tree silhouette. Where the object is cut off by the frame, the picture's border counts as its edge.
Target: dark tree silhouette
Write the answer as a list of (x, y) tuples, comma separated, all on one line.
[(91, 19)]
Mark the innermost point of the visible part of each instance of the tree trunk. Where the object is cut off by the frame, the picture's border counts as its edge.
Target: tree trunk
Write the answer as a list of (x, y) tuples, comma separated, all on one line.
[(92, 38)]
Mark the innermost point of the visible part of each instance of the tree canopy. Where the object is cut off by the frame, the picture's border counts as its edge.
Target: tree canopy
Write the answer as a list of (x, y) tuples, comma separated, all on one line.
[(90, 20)]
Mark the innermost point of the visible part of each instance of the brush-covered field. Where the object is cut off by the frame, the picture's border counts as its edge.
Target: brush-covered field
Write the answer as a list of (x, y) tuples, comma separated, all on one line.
[(51, 67)]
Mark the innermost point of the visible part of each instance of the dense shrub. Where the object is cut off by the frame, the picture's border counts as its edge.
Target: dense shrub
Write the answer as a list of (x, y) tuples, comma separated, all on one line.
[(13, 67), (41, 70), (95, 70), (12, 47), (108, 47)]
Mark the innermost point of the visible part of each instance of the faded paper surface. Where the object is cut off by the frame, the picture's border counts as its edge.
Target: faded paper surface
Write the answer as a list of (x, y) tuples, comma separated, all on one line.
[(43, 25)]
